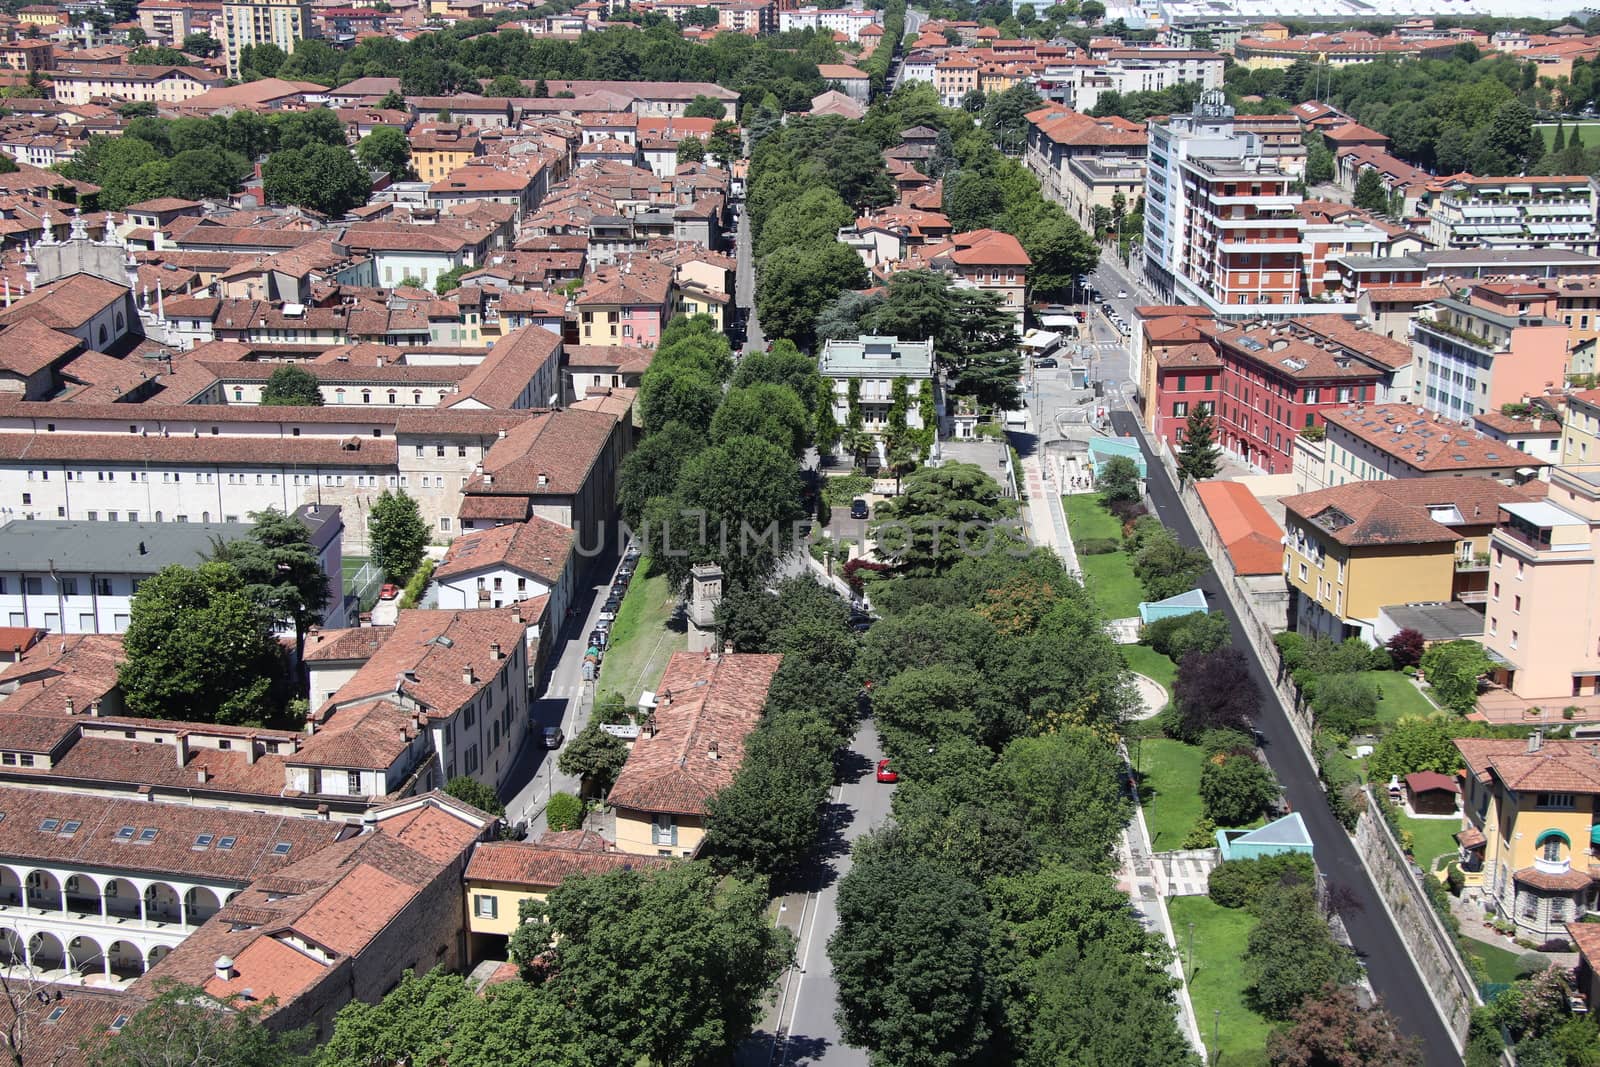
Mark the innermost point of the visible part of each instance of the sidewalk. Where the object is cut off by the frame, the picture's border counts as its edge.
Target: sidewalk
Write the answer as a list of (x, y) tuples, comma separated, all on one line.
[(1047, 524)]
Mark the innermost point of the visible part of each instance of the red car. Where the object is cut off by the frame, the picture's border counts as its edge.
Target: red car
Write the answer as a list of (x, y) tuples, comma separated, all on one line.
[(389, 591), (885, 774)]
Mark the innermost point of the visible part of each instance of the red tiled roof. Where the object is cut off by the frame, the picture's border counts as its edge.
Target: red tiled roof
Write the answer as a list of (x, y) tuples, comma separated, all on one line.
[(1570, 881), (1253, 541), (1426, 442), (537, 547), (705, 702), (1556, 767), (1471, 838), (539, 866), (1398, 511), (1426, 781)]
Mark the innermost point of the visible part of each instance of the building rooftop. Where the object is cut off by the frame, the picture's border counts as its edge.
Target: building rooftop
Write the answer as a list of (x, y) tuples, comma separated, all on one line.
[(881, 357), (537, 547), (111, 547), (1402, 511), (1426, 442), (1553, 766), (1437, 621), (1253, 541)]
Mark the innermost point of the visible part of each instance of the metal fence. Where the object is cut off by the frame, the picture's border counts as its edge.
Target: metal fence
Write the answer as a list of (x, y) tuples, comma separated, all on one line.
[(364, 585)]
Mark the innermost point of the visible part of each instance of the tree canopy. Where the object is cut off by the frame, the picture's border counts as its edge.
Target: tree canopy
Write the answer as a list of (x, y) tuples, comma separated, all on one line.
[(398, 534), (289, 385)]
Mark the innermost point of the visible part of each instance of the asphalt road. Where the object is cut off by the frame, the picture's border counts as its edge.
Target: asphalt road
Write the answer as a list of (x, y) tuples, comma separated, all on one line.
[(744, 283)]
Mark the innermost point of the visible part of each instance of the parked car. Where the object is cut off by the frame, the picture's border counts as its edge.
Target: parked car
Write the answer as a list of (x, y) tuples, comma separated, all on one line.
[(1122, 294), (1047, 363), (553, 736), (858, 508), (389, 591), (631, 554), (886, 773), (603, 626), (599, 638)]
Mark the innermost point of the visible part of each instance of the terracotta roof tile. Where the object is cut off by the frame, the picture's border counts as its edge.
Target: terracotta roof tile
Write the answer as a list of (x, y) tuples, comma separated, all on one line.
[(1557, 766), (1571, 881), (539, 866), (1399, 511), (537, 547), (1426, 442), (705, 701)]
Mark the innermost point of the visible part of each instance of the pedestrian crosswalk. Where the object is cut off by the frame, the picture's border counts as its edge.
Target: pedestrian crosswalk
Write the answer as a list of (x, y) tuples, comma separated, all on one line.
[(1101, 346)]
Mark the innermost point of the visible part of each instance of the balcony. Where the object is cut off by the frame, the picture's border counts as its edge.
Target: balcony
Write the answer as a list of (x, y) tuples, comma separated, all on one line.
[(1544, 866), (1455, 333), (1479, 562)]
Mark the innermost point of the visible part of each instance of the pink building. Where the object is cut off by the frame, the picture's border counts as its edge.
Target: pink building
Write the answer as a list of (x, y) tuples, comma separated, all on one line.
[(1542, 619), (626, 304), (1501, 344)]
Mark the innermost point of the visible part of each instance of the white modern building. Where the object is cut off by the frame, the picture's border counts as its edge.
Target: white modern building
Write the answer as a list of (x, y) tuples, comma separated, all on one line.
[(869, 373)]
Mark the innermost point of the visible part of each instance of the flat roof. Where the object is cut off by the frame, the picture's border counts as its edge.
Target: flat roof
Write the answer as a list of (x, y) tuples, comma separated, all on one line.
[(118, 547), (1543, 513), (1437, 621)]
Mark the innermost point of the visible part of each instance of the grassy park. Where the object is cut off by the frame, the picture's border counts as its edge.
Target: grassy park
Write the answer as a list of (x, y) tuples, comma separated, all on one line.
[(1588, 133), (1169, 790), (644, 635), (1109, 577), (1235, 1035)]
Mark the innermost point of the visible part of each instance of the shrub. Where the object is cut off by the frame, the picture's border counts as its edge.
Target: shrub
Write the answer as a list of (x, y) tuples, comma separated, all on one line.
[(1226, 742), (564, 812), (1345, 703), (1235, 788), (1203, 834), (1406, 648), (1531, 963), (1126, 510), (1241, 883), (1455, 880), (1556, 944), (417, 585), (1180, 635), (841, 490), (1098, 546)]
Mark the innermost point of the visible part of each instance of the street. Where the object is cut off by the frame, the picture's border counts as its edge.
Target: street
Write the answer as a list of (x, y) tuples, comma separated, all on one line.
[(1389, 966)]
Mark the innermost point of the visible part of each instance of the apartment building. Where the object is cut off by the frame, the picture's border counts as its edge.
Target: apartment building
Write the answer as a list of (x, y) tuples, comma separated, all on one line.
[(689, 747), (1160, 332), (1580, 430), (1501, 344), (509, 563), (1374, 441), (868, 373), (80, 577), (848, 21), (1221, 229), (1278, 381), (246, 23), (205, 463), (1083, 163), (1529, 212), (625, 305), (1354, 549), (1543, 614), (987, 260), (1532, 821), (82, 83)]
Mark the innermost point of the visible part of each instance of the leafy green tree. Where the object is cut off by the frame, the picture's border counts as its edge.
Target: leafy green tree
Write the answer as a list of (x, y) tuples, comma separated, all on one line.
[(1098, 1007), (1235, 789), (183, 1024), (262, 60), (280, 569), (1118, 479), (290, 386), (471, 791), (1415, 743), (1291, 954), (724, 144), (450, 280), (943, 514), (705, 107), (506, 85), (847, 315), (199, 648), (689, 954), (1331, 1029), (202, 44), (796, 283), (783, 364), (973, 201), (651, 470), (1166, 568), (1069, 783), (691, 150), (908, 960), (157, 56), (1345, 703), (201, 174), (1319, 160), (319, 176), (392, 101), (386, 149), (595, 757), (437, 1018), (768, 818), (685, 396), (1453, 669), (397, 533), (563, 812), (1370, 195), (1199, 457), (771, 412), (1179, 635)]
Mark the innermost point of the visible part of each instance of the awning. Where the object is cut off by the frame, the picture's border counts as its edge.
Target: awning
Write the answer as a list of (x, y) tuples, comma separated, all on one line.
[(1594, 834)]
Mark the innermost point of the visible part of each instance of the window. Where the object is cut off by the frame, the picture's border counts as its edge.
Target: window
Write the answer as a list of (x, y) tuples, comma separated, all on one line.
[(124, 834), (226, 843), (1180, 410), (353, 783), (56, 1013), (1516, 605), (485, 906), (203, 842), (281, 848), (1551, 849), (147, 835), (69, 586), (49, 826), (1556, 801)]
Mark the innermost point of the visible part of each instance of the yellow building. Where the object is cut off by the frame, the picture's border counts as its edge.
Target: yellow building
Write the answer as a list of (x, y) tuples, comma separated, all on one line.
[(502, 874), (438, 148), (1580, 432), (689, 747), (246, 23), (1354, 549), (1531, 839)]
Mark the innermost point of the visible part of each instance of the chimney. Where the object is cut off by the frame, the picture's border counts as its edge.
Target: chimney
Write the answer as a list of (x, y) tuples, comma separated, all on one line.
[(182, 749), (727, 648), (224, 968), (494, 651), (369, 821), (72, 706), (544, 480), (143, 551), (1535, 739), (203, 775), (250, 752), (711, 749), (467, 677), (94, 709)]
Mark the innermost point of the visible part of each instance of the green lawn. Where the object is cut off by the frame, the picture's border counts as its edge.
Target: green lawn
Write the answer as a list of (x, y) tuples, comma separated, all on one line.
[(1431, 838), (1400, 698), (1500, 963), (1216, 979), (1588, 132), (1147, 661), (1108, 577), (642, 638), (1169, 790)]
